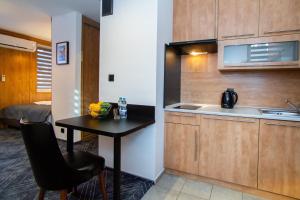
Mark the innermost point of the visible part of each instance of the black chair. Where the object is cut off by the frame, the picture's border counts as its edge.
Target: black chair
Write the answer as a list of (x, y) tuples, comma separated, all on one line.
[(52, 170)]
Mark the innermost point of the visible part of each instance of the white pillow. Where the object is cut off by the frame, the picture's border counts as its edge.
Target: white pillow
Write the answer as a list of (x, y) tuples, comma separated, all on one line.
[(43, 103)]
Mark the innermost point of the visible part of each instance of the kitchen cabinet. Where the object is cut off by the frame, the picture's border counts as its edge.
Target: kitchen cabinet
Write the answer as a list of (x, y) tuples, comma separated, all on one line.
[(279, 17), (276, 52), (257, 153), (229, 149), (238, 19), (279, 157), (181, 143), (194, 20), (181, 150)]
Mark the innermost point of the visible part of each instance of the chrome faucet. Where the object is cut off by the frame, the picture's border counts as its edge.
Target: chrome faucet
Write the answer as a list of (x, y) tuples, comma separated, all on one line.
[(294, 106)]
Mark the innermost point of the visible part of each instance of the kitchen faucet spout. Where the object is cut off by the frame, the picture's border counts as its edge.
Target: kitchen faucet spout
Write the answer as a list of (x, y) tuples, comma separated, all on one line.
[(294, 106)]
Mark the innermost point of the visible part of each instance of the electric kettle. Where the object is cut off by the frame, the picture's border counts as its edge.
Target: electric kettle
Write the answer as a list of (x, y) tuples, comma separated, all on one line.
[(229, 98)]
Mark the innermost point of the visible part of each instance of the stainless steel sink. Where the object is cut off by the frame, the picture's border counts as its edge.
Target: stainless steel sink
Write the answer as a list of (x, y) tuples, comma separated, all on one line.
[(280, 112)]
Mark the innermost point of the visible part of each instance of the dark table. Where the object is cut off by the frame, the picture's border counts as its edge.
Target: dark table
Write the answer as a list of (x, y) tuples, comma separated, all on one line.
[(107, 127)]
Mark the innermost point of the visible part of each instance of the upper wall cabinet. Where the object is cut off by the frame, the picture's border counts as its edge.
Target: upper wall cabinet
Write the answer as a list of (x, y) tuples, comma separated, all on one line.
[(238, 19), (278, 17), (276, 52), (194, 20)]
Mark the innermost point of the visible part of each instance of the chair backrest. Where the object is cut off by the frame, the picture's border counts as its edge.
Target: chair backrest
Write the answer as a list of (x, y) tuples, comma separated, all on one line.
[(48, 165)]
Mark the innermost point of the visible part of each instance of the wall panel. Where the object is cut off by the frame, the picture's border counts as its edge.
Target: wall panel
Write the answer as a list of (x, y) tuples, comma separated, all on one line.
[(19, 67)]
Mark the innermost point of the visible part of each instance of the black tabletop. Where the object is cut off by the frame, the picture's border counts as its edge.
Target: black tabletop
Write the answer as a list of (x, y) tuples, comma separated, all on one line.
[(108, 127)]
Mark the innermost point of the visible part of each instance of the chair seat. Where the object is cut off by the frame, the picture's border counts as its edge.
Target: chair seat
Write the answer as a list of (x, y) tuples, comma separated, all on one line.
[(85, 161)]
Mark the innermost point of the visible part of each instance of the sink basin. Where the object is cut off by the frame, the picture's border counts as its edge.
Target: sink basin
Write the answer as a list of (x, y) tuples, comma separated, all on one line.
[(280, 112), (187, 107)]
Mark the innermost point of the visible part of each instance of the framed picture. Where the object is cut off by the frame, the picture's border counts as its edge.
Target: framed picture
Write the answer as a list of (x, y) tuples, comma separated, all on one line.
[(62, 53)]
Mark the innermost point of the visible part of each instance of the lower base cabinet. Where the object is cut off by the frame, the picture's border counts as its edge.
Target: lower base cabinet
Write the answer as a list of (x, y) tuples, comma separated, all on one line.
[(181, 147), (261, 154), (229, 149), (279, 157)]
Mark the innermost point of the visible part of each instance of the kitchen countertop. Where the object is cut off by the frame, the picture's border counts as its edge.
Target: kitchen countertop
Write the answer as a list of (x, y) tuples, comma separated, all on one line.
[(237, 111)]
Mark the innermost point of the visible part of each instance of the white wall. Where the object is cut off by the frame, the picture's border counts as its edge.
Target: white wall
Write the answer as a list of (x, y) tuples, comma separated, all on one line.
[(132, 48), (66, 79), (164, 35), (128, 50)]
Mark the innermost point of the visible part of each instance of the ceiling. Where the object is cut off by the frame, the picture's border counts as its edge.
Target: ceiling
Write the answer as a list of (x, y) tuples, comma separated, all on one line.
[(33, 17)]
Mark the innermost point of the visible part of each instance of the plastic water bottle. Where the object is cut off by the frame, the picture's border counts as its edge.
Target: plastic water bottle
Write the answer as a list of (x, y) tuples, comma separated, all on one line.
[(122, 107)]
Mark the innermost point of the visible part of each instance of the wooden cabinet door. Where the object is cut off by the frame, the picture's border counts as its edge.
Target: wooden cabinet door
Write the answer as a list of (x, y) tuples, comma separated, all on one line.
[(229, 149), (194, 20), (181, 147), (279, 157), (279, 17), (238, 19)]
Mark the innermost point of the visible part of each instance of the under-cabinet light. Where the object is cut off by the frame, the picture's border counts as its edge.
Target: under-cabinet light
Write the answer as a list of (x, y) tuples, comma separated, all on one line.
[(194, 53)]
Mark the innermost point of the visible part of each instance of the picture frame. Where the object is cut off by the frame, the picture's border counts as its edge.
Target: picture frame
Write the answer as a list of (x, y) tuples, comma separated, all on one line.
[(62, 53)]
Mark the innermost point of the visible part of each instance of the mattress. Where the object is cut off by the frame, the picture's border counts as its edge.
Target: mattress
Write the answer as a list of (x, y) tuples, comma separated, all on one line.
[(28, 112)]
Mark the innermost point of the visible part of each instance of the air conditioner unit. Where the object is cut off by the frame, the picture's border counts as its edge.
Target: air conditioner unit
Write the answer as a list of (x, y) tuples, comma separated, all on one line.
[(17, 43)]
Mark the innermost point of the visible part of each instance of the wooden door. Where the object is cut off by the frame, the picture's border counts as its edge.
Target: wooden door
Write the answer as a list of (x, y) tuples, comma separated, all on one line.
[(279, 17), (229, 149), (1, 82), (90, 65), (16, 66), (279, 157), (194, 20), (238, 19), (181, 147)]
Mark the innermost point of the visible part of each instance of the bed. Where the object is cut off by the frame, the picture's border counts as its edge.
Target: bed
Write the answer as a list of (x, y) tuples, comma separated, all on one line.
[(36, 112)]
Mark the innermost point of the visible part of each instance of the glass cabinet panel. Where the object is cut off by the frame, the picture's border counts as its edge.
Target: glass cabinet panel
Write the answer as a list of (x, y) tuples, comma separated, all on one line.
[(263, 52)]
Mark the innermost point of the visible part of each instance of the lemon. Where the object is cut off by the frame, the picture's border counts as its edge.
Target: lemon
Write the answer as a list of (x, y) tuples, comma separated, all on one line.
[(94, 114)]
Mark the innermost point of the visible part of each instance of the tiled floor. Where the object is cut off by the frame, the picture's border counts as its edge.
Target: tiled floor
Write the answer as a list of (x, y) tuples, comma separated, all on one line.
[(171, 187)]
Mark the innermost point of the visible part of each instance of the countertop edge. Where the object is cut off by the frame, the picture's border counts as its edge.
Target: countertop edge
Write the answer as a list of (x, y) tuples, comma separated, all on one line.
[(267, 117)]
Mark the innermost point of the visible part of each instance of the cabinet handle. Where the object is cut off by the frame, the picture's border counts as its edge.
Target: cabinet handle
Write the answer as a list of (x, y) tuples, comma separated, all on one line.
[(232, 120), (196, 147), (271, 32), (181, 115), (232, 36), (186, 115), (286, 125)]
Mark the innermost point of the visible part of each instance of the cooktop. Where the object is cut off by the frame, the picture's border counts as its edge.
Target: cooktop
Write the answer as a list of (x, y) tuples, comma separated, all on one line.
[(187, 107)]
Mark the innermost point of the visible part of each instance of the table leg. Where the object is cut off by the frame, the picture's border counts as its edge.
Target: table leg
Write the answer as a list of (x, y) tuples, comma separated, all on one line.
[(117, 169), (70, 140)]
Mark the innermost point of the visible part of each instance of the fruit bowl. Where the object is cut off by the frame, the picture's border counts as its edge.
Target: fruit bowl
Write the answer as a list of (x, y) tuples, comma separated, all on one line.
[(99, 110)]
